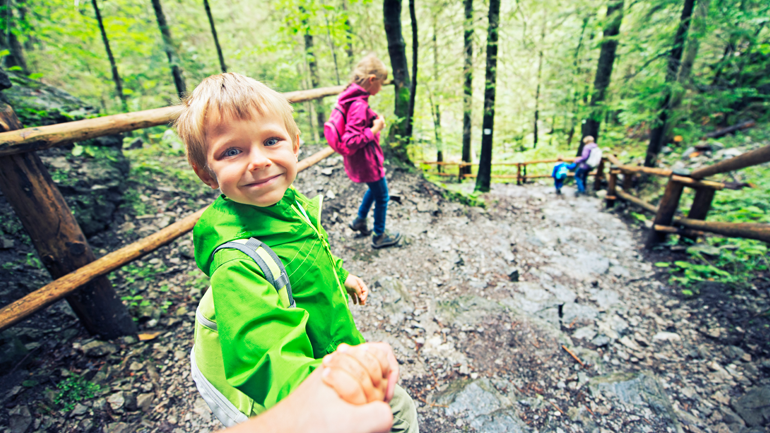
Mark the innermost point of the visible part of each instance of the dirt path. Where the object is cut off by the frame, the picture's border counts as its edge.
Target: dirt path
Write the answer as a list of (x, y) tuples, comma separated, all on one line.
[(478, 305)]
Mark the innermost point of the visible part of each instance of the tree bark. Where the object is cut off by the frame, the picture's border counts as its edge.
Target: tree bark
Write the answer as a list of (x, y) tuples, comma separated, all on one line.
[(57, 237), (170, 48), (434, 103), (313, 68), (537, 92), (603, 71), (398, 138), (16, 57), (488, 126), (348, 33), (214, 33), (468, 84), (332, 48), (415, 56), (113, 65), (657, 134)]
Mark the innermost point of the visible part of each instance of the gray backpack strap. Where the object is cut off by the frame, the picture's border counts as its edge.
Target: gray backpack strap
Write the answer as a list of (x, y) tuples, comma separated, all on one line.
[(251, 248)]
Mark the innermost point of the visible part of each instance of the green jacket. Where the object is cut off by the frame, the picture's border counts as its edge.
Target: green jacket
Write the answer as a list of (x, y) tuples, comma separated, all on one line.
[(268, 349)]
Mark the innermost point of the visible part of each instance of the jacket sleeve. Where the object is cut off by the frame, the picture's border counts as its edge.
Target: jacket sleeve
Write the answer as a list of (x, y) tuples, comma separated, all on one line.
[(357, 132), (265, 348), (341, 272), (584, 156)]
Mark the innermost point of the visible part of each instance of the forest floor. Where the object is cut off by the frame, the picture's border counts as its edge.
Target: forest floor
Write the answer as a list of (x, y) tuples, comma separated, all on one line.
[(482, 306)]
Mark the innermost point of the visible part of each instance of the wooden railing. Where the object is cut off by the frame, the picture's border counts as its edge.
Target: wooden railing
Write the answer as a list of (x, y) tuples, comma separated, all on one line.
[(521, 175), (694, 224), (55, 233)]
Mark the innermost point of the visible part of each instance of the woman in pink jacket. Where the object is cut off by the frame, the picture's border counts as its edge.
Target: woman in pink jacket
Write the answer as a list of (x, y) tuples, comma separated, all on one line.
[(362, 140)]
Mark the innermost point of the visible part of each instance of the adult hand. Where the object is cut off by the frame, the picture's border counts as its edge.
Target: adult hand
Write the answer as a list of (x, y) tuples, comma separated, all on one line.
[(315, 407), (360, 374), (379, 125)]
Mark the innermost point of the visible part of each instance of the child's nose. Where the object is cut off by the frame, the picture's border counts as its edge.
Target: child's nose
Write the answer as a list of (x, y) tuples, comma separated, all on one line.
[(258, 160)]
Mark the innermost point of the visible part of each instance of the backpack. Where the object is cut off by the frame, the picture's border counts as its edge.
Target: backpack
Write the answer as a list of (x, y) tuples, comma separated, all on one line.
[(334, 128), (561, 172), (228, 404), (595, 157)]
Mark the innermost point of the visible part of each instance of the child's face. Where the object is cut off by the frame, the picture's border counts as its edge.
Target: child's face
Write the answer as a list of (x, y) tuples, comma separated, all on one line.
[(251, 161), (374, 85)]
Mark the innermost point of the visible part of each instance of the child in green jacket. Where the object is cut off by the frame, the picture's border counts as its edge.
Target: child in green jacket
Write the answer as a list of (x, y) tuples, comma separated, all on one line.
[(255, 343)]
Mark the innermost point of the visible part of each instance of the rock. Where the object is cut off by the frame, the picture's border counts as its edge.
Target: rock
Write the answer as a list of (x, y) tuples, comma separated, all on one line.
[(131, 403), (117, 427), (427, 206), (640, 389), (585, 333), (395, 299), (754, 406), (562, 293), (202, 409), (6, 244), (666, 336), (79, 410), (143, 401), (606, 298), (136, 143), (577, 312), (514, 275), (467, 310), (12, 351), (96, 348), (19, 419), (136, 366), (481, 406), (600, 341), (116, 401)]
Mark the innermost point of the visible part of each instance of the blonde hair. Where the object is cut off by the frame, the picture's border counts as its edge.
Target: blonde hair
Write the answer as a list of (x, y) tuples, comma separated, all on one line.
[(369, 65), (232, 96), (588, 139)]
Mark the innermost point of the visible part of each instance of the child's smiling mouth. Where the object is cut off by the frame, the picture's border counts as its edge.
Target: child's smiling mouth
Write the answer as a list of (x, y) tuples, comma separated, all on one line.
[(263, 182)]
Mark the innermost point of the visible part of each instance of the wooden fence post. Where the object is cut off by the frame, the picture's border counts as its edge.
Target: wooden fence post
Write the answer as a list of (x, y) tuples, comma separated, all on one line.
[(666, 210), (700, 206), (56, 235), (518, 173), (610, 199), (599, 176), (628, 181)]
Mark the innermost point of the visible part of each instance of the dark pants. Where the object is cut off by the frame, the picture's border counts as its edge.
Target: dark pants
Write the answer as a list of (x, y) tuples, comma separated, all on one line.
[(377, 193), (581, 175), (558, 182)]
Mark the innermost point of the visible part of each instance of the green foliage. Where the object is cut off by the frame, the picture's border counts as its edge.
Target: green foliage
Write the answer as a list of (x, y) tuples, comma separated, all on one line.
[(73, 390)]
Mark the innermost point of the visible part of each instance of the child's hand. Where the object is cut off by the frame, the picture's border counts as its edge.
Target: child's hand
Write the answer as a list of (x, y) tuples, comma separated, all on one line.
[(379, 125), (356, 289), (361, 374)]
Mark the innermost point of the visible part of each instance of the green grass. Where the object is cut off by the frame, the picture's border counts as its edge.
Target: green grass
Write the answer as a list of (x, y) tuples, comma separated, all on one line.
[(73, 390)]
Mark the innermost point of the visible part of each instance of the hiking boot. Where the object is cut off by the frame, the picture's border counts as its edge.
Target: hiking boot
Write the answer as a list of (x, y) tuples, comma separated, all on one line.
[(385, 240), (359, 225)]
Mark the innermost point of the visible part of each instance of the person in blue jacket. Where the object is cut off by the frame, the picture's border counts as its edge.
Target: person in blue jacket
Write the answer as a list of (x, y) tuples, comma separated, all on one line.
[(559, 174)]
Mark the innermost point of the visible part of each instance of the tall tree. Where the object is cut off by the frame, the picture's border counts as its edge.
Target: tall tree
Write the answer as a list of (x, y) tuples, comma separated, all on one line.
[(434, 103), (467, 84), (603, 70), (348, 33), (214, 33), (332, 47), (488, 126), (657, 133), (398, 138), (313, 68), (537, 92), (575, 84), (113, 65), (11, 42), (413, 87), (693, 43), (170, 48)]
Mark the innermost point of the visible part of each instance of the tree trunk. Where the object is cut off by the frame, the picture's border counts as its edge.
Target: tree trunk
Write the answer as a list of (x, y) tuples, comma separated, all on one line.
[(332, 48), (603, 71), (537, 92), (675, 57), (11, 42), (434, 103), (488, 126), (415, 55), (397, 137), (313, 68), (468, 84), (348, 34), (169, 47), (113, 66), (698, 30), (216, 39), (576, 73)]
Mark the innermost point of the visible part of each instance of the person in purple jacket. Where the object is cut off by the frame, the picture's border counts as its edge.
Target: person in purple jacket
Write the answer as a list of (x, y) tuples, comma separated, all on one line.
[(581, 174), (362, 138)]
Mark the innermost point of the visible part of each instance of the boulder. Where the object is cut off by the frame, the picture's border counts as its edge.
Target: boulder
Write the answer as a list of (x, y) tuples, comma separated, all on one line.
[(480, 405), (396, 301), (754, 406)]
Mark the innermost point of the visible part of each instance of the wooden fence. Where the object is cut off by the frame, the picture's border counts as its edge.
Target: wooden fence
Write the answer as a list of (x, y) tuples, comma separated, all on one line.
[(55, 233)]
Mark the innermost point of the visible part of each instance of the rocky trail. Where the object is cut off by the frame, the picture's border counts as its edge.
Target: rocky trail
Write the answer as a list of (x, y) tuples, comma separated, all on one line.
[(541, 313)]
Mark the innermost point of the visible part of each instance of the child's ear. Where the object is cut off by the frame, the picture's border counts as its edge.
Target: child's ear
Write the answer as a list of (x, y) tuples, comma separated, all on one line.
[(296, 146), (206, 176)]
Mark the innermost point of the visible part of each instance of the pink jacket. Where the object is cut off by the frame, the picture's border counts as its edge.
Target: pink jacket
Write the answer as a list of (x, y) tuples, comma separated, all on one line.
[(365, 162)]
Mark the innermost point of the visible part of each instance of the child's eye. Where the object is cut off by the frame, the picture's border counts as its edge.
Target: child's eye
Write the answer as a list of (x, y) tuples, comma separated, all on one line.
[(271, 141), (231, 152)]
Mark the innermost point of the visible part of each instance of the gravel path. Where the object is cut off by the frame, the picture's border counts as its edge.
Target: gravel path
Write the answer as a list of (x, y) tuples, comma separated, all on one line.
[(481, 306)]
